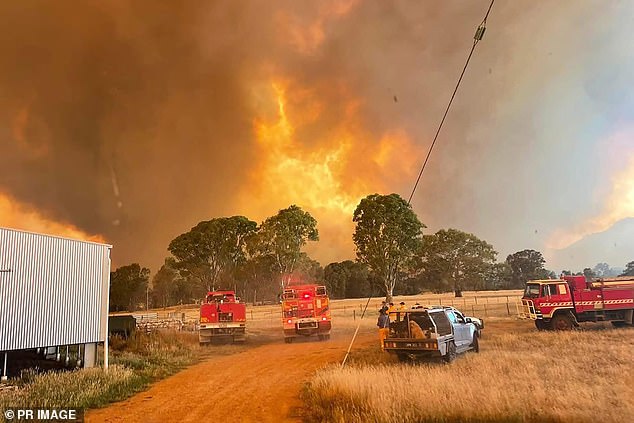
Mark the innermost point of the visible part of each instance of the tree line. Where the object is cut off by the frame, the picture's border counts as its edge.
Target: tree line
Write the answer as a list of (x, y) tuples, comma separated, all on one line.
[(393, 256)]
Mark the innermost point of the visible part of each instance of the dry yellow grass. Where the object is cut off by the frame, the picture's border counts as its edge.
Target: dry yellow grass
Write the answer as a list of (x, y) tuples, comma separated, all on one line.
[(520, 375)]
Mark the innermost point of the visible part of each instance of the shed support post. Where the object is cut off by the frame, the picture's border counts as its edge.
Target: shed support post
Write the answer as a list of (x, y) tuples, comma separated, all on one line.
[(105, 353), (90, 355), (4, 367)]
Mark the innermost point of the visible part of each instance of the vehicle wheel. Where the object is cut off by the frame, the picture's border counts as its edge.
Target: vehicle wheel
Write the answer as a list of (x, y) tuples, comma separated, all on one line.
[(541, 325), (288, 340), (562, 322), (321, 337), (327, 337), (618, 324), (451, 352), (476, 344), (402, 357)]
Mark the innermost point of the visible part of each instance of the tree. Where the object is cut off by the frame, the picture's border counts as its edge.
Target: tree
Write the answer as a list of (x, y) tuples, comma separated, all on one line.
[(629, 269), (501, 276), (347, 279), (128, 287), (589, 274), (526, 265), (282, 236), (459, 258), (387, 235), (163, 284), (602, 270), (212, 248), (308, 269)]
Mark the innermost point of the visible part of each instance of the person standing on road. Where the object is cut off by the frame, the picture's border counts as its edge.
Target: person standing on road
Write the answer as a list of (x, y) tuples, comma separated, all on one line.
[(384, 326)]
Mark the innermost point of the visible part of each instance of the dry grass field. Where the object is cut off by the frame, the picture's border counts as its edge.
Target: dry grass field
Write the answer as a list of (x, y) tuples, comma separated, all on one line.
[(520, 375)]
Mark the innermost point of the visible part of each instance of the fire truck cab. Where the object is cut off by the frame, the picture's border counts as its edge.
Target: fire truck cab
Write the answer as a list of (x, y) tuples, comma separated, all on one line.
[(562, 304), (305, 312), (222, 315)]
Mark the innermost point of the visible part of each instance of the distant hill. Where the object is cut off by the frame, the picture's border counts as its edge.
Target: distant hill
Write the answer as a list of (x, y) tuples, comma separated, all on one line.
[(614, 246)]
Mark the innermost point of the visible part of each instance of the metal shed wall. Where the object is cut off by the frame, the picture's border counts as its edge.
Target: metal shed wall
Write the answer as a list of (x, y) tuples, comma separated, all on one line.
[(53, 290)]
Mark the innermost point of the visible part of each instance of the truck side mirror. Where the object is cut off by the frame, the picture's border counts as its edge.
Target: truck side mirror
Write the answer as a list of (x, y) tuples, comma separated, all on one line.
[(468, 320)]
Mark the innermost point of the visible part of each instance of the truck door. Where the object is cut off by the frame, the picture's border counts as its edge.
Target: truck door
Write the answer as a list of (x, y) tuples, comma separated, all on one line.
[(460, 337)]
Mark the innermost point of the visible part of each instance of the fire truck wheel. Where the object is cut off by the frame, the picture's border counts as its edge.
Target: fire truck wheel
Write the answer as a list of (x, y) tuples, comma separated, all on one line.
[(562, 322), (541, 325), (402, 357), (451, 352), (288, 340)]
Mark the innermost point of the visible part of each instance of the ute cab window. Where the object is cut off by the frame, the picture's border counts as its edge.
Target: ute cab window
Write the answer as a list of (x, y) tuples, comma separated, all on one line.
[(320, 291), (532, 290)]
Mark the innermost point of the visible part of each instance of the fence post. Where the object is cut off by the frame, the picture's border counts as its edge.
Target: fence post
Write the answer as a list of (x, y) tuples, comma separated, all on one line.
[(472, 309), (508, 312), (476, 299), (354, 314), (251, 314)]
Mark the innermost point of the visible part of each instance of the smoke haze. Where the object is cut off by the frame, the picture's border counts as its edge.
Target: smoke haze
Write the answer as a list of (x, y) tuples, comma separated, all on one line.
[(134, 120)]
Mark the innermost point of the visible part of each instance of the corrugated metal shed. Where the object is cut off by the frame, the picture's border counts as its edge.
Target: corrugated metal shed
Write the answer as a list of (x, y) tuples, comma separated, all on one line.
[(53, 291)]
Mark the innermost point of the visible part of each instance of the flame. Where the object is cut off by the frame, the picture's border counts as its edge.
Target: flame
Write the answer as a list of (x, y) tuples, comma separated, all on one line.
[(20, 216), (330, 173), (618, 206)]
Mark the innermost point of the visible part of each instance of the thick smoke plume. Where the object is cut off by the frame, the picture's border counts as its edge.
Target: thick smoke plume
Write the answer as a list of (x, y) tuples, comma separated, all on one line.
[(137, 119)]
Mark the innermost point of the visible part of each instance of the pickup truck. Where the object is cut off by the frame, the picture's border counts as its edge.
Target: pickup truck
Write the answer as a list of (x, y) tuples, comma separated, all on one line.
[(433, 332)]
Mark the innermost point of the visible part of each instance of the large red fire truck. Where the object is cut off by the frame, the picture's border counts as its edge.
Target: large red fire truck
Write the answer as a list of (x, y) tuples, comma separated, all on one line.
[(305, 312), (562, 304), (222, 316)]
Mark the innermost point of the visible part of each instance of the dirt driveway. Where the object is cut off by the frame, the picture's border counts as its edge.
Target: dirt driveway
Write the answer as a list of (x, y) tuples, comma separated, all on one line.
[(261, 384)]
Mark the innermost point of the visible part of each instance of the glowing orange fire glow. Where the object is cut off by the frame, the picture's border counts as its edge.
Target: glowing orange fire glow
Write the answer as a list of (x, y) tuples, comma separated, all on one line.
[(328, 174), (618, 205), (19, 216)]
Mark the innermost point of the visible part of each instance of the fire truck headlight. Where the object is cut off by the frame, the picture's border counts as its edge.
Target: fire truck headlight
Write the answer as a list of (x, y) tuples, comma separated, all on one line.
[(289, 321), (323, 318)]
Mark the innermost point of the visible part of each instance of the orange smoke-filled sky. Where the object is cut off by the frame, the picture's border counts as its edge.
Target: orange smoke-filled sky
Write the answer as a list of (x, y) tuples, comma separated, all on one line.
[(134, 120)]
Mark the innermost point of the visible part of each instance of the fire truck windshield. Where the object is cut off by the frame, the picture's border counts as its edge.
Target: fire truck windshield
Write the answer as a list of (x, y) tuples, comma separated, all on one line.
[(532, 290)]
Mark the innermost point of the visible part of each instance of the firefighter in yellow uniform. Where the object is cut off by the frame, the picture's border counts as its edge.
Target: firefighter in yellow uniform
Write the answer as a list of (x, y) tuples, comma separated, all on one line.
[(384, 326), (391, 312)]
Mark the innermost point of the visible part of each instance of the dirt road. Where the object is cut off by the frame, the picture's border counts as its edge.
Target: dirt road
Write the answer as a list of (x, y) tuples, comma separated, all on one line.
[(261, 384)]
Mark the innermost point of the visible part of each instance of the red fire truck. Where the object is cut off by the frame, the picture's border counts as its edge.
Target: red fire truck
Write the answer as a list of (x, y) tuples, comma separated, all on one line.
[(222, 316), (562, 304), (305, 312)]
